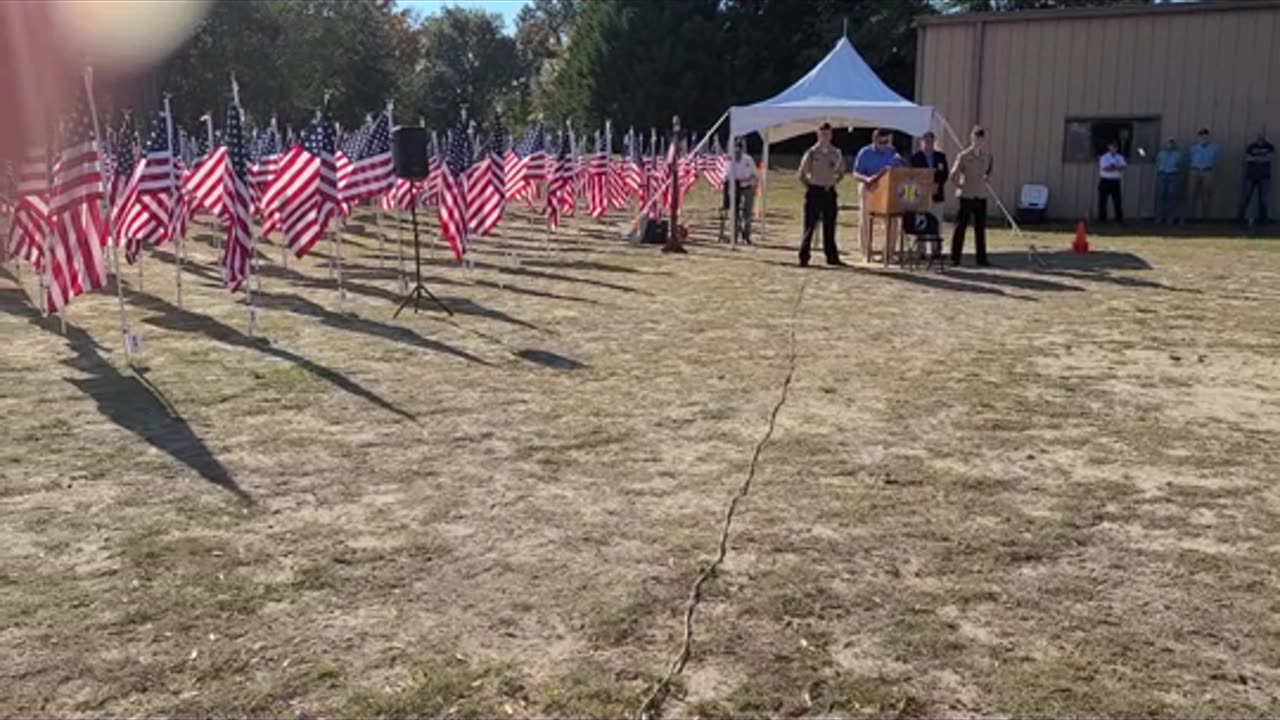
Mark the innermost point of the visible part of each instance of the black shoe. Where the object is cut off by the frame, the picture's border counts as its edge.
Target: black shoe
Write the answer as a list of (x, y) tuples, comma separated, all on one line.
[(955, 263), (837, 263), (985, 263), (804, 261)]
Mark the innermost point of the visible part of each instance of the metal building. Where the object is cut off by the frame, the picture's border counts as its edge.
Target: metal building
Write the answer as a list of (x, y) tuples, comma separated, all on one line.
[(1053, 86)]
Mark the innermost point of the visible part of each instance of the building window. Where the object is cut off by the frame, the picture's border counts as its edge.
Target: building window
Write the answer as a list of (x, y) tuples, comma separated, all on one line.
[(1086, 139)]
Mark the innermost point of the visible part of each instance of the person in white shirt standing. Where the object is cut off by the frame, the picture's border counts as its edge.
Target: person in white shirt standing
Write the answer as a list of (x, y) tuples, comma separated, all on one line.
[(1110, 172), (743, 177)]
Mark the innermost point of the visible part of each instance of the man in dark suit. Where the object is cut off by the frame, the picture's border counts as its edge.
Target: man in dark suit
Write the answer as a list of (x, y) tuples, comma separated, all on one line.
[(928, 156)]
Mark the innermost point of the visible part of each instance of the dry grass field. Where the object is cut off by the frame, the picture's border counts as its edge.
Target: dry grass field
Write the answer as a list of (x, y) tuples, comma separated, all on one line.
[(1013, 491)]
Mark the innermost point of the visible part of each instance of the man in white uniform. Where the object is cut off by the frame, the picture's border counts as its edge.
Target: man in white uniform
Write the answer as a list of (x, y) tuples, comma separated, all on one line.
[(743, 177)]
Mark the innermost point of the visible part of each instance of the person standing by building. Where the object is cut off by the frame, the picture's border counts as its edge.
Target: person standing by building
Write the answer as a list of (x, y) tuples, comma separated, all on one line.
[(742, 178), (928, 156), (821, 167), (1168, 173), (1257, 176), (970, 172), (1111, 168), (1202, 157), (868, 165)]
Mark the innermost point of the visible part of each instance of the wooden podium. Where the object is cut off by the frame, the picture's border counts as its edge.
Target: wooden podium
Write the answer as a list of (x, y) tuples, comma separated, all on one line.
[(899, 190)]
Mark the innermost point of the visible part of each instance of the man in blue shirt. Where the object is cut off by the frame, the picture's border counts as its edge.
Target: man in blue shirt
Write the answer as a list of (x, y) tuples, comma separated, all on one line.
[(1257, 176), (869, 164), (1168, 167), (1203, 156)]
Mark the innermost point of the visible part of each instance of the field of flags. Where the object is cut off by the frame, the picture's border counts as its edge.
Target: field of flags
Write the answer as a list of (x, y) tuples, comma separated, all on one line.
[(87, 196)]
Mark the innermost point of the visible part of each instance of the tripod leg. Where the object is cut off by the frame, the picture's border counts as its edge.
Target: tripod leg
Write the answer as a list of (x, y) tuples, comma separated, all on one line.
[(435, 299), (403, 303)]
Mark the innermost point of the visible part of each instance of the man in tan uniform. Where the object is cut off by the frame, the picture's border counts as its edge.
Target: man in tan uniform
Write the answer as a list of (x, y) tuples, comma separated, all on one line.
[(820, 169), (970, 172)]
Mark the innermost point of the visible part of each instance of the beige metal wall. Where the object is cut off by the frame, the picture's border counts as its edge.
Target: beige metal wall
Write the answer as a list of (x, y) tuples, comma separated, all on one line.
[(1023, 78)]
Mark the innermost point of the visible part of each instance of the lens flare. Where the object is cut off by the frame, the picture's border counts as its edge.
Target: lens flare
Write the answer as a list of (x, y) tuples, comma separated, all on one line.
[(127, 34)]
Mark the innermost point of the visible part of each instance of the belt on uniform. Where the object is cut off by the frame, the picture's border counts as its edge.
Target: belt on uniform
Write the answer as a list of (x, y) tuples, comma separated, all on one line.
[(821, 187)]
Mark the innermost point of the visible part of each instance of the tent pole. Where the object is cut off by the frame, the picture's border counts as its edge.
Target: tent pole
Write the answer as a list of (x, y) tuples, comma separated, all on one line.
[(764, 190)]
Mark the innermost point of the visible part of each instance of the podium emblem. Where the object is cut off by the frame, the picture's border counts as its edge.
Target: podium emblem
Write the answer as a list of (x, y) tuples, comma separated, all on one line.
[(909, 193)]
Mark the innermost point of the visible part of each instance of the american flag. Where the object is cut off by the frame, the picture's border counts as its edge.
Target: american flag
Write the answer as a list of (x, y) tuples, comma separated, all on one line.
[(632, 166), (452, 210), (153, 197), (264, 162), (122, 184), (435, 170), (527, 163), (366, 167), (597, 181), (75, 196), (400, 197), (30, 219), (237, 251), (560, 182), (689, 167), (615, 183), (202, 184), (305, 190), (715, 164), (486, 185)]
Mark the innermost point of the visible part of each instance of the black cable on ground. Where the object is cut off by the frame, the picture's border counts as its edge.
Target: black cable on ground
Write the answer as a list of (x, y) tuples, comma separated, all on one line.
[(652, 706)]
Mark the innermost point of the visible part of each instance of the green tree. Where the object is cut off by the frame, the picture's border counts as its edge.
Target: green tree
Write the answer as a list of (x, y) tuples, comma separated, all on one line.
[(286, 55), (640, 63), (468, 62)]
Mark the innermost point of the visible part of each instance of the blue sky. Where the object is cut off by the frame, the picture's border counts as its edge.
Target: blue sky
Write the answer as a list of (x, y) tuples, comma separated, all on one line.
[(506, 8)]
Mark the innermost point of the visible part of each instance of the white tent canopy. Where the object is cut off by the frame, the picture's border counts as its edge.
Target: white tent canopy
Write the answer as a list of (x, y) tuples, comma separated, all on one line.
[(842, 90)]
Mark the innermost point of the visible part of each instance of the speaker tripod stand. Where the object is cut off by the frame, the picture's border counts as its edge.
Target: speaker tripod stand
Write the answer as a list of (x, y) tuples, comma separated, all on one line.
[(419, 291)]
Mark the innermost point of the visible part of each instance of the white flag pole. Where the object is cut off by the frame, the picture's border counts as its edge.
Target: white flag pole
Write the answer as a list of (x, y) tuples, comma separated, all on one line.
[(137, 168), (608, 168), (175, 197), (126, 334), (208, 134), (377, 211), (284, 242), (250, 310)]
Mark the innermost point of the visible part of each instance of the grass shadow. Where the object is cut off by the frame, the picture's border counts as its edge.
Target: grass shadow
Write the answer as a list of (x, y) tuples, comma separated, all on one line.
[(549, 359), (352, 323), (177, 319), (944, 282), (132, 402), (1092, 261), (1016, 281)]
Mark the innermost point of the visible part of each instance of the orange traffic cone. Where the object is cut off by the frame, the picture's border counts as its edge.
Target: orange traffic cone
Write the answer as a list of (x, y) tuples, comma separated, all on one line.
[(1080, 245)]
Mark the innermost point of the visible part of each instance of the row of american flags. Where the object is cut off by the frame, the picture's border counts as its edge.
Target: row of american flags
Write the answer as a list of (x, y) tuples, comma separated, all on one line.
[(83, 193)]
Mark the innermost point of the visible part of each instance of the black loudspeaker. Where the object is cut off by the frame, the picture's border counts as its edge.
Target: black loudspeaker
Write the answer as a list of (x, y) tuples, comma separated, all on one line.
[(409, 148)]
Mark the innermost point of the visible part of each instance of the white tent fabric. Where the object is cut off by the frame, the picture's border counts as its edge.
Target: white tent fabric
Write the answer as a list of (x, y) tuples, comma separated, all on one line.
[(842, 90)]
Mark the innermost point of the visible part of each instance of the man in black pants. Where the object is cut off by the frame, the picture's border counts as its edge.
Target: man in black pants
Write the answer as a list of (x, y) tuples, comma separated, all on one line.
[(820, 169), (928, 156), (1110, 171), (970, 172)]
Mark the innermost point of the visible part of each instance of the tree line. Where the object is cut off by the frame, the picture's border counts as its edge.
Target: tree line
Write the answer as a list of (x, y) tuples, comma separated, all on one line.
[(632, 61)]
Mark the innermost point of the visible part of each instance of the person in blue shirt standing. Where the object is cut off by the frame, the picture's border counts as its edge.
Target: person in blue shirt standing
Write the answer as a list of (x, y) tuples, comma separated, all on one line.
[(869, 164), (1168, 172), (1203, 156)]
